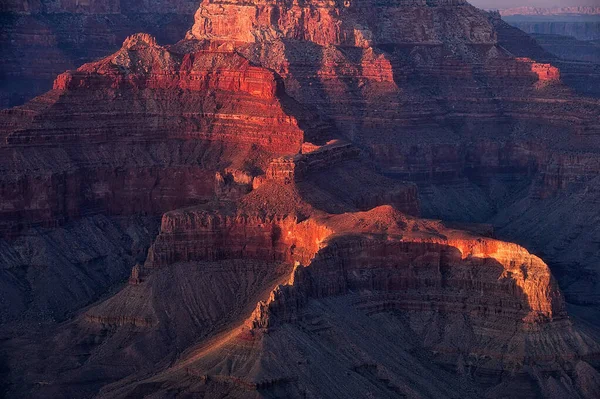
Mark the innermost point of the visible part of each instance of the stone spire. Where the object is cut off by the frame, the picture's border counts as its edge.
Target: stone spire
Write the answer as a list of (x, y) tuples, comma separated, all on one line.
[(135, 277)]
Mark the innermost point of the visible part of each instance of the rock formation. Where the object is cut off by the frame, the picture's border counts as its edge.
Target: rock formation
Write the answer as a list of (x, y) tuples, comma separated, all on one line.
[(135, 277), (228, 114), (582, 23), (41, 39), (569, 48), (375, 264), (580, 10), (289, 149)]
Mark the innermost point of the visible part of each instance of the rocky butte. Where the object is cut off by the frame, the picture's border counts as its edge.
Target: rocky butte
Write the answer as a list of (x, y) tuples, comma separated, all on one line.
[(63, 34), (288, 202)]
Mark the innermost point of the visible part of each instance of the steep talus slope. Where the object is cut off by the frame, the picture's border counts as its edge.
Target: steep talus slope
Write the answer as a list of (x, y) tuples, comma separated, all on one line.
[(141, 329), (49, 273), (442, 94), (392, 274), (274, 140)]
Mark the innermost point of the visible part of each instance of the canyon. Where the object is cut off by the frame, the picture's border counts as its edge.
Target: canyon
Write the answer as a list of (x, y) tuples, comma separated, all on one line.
[(62, 35), (582, 23), (300, 199)]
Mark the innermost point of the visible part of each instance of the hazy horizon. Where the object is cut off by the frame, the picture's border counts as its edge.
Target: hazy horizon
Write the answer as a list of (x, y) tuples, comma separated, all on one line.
[(501, 4)]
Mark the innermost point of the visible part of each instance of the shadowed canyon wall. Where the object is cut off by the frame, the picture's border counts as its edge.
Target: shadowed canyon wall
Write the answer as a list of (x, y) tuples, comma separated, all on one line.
[(582, 23), (288, 148), (41, 39)]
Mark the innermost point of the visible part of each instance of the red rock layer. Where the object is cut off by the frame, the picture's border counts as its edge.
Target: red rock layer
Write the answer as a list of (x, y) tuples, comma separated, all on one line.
[(41, 39), (338, 249), (382, 261), (404, 92), (170, 121), (330, 23), (365, 251), (421, 87), (545, 72)]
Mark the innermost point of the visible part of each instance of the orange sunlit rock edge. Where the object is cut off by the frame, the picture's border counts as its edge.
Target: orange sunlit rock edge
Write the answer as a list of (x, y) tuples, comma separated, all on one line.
[(288, 150)]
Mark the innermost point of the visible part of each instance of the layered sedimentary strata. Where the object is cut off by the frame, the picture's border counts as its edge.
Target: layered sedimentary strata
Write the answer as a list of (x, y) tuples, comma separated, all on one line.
[(378, 265), (579, 10), (171, 121), (275, 138), (406, 261), (358, 250), (262, 224), (48, 274), (339, 24), (582, 23), (569, 48), (545, 72), (41, 39), (476, 115), (408, 94), (313, 160)]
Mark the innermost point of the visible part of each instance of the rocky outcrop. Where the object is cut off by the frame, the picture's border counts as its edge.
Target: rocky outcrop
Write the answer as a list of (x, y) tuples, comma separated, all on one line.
[(179, 150), (290, 169), (276, 136), (546, 72), (135, 277), (349, 243), (375, 109), (62, 35), (196, 235), (339, 24), (463, 298), (264, 224), (397, 262)]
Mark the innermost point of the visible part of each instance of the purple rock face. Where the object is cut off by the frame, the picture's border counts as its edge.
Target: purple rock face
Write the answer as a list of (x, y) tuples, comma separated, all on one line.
[(296, 199)]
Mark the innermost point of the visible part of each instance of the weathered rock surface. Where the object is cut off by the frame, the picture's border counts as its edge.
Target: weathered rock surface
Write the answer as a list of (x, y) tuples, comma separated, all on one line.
[(512, 126), (48, 274), (171, 122), (274, 140), (141, 329), (472, 124), (383, 266), (41, 39)]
